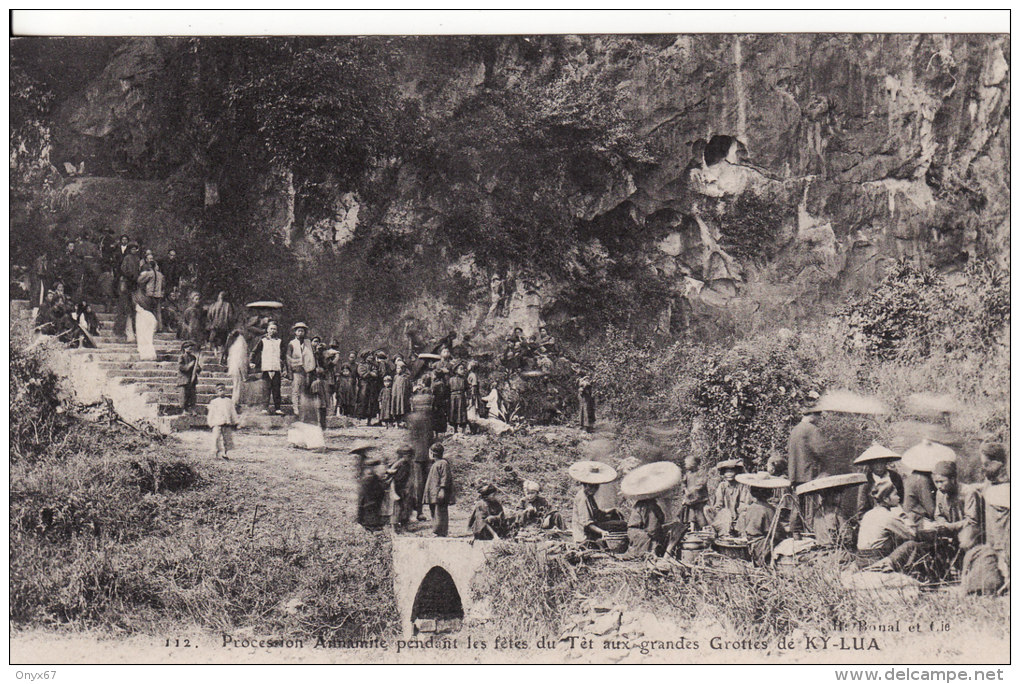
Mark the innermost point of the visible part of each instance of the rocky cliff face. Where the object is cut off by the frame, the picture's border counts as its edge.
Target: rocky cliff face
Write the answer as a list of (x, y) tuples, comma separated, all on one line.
[(787, 168)]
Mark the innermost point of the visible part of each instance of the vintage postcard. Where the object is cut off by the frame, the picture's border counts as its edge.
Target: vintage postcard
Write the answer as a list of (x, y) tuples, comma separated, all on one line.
[(555, 343)]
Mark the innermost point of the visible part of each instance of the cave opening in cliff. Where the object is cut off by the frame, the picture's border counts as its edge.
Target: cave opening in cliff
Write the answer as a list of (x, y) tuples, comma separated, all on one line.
[(437, 605), (718, 148)]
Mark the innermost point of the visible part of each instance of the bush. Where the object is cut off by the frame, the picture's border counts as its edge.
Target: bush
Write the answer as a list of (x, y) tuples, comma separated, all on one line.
[(742, 403), (36, 417), (914, 311), (751, 229), (633, 378)]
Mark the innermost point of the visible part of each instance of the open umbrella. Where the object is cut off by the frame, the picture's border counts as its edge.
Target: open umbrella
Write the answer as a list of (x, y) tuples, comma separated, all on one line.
[(592, 472), (763, 480), (651, 480), (832, 482), (264, 305), (923, 456), (929, 404), (906, 433), (842, 401)]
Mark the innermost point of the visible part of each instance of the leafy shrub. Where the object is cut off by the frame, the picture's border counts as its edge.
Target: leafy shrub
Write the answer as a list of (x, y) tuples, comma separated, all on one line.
[(742, 403), (751, 227), (36, 417), (632, 378), (914, 311)]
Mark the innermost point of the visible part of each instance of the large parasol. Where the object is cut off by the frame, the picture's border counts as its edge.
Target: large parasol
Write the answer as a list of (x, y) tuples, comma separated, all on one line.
[(832, 482), (843, 401), (923, 456), (592, 472), (264, 305), (933, 405), (763, 480), (651, 480)]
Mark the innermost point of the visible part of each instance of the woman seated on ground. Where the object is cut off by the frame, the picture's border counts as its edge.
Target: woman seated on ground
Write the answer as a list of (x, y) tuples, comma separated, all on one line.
[(831, 527), (757, 522), (588, 517), (730, 497), (536, 510), (648, 532), (884, 528)]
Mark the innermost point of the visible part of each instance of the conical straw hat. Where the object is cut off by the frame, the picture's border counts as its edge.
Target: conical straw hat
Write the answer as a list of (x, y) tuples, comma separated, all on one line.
[(832, 482), (876, 452), (651, 479), (592, 472), (924, 455), (762, 480)]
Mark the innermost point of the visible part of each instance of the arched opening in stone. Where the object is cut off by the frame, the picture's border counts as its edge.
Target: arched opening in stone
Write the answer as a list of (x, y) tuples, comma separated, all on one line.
[(437, 607), (718, 148)]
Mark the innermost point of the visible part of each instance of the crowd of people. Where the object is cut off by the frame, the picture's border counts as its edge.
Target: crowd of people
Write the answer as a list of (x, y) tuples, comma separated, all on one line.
[(142, 291), (910, 513)]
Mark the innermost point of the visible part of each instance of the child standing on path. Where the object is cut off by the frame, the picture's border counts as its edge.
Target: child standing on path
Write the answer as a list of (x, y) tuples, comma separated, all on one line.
[(189, 368), (386, 402), (222, 419), (439, 491)]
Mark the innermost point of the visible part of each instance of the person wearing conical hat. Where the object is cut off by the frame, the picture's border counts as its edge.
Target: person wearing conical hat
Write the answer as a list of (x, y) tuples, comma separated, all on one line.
[(876, 461), (757, 520), (730, 497), (588, 517)]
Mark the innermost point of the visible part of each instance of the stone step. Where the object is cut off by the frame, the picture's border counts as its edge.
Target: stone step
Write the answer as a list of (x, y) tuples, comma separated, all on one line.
[(171, 380), (253, 419), (173, 408), (159, 373), (106, 336), (156, 369), (171, 386), (131, 354)]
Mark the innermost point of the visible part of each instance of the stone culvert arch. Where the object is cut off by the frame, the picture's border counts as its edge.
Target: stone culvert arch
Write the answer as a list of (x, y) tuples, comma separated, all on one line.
[(432, 581)]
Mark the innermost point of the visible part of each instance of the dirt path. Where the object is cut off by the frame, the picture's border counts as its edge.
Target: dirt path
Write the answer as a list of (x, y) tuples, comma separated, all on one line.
[(300, 491)]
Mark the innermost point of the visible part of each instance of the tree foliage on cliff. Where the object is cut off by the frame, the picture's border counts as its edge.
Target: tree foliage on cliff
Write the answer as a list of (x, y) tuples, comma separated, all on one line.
[(915, 312)]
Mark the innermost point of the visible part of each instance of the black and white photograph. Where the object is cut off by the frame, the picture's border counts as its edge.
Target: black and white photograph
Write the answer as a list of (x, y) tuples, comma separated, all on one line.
[(536, 339)]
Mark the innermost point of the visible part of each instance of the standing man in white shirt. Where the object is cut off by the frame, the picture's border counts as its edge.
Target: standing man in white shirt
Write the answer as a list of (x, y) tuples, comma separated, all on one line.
[(301, 362), (267, 355)]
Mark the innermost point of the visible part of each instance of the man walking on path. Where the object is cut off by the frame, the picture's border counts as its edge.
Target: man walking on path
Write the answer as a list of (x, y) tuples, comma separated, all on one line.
[(301, 363), (267, 356)]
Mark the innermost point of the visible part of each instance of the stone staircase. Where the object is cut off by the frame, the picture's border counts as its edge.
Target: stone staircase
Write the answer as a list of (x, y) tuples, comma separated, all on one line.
[(150, 387), (155, 381)]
